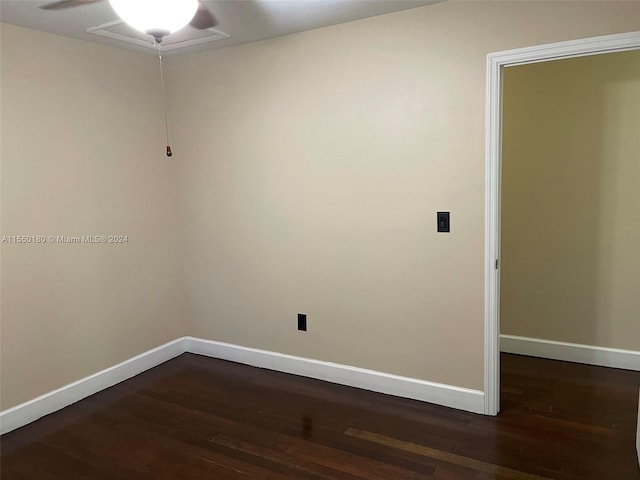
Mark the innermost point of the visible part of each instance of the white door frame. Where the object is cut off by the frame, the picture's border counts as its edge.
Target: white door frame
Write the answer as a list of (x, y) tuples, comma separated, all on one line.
[(495, 64)]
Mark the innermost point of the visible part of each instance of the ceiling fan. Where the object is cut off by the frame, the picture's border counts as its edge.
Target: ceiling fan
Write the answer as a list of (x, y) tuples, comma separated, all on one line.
[(157, 18)]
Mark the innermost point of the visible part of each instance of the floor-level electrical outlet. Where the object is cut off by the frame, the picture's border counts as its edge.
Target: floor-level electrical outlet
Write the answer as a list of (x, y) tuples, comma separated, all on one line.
[(302, 322)]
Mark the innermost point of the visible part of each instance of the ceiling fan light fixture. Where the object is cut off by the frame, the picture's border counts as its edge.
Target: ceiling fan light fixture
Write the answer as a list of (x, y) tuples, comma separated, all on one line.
[(153, 16)]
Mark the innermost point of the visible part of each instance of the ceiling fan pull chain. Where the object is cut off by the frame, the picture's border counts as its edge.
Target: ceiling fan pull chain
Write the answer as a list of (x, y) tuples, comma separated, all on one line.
[(164, 102)]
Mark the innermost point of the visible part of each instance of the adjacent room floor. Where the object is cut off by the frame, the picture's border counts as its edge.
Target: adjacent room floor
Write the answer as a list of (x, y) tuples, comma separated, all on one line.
[(197, 417)]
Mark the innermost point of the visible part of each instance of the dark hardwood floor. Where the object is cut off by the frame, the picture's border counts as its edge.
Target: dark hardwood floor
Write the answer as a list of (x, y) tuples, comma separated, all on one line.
[(200, 418)]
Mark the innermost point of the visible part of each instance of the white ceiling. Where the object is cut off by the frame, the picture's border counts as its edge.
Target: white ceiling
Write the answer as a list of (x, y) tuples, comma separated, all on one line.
[(243, 20)]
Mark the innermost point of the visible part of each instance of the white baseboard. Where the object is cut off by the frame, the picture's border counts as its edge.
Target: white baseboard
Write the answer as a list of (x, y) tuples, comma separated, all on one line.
[(32, 410), (571, 352), (441, 394)]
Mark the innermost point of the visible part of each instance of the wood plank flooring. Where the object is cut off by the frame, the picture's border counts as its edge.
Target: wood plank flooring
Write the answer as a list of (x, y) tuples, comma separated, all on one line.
[(197, 417)]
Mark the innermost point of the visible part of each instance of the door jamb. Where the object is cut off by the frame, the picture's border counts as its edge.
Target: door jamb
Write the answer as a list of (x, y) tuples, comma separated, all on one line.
[(493, 121)]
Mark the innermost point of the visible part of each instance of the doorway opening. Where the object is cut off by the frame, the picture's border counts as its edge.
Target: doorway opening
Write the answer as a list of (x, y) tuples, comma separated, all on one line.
[(496, 63)]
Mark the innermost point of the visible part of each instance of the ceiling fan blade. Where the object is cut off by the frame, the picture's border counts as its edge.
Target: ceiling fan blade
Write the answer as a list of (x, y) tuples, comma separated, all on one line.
[(203, 18), (62, 4)]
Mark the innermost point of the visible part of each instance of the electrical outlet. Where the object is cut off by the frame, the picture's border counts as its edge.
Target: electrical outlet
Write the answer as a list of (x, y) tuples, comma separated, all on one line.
[(302, 322)]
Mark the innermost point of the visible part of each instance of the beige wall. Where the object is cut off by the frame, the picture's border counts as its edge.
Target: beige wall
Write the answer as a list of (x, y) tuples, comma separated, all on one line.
[(306, 177), (571, 202), (82, 153), (314, 167)]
